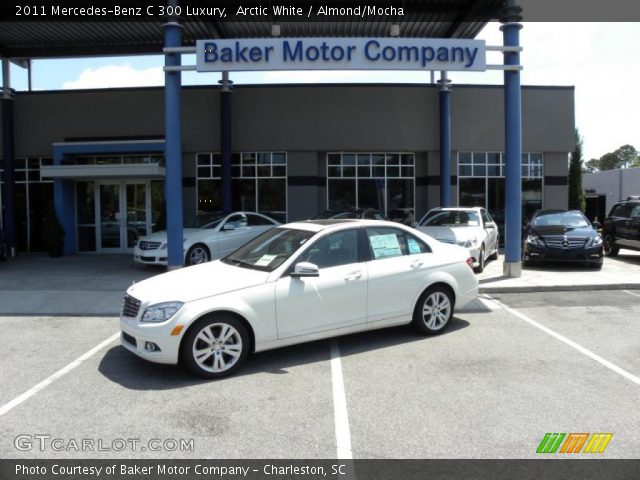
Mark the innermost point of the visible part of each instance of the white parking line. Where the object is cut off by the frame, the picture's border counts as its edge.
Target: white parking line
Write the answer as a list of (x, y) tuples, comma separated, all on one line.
[(571, 343), (341, 417), (52, 378), (631, 293)]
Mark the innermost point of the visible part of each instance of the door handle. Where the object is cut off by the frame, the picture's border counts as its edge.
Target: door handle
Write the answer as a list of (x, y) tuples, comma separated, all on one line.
[(353, 276), (416, 263)]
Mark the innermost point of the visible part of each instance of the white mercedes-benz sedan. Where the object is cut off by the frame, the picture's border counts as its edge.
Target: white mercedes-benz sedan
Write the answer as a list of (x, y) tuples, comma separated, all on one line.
[(472, 228), (296, 283), (207, 237)]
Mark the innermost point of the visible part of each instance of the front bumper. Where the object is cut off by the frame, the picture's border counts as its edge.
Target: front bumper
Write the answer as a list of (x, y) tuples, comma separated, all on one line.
[(150, 257), (535, 253), (136, 336)]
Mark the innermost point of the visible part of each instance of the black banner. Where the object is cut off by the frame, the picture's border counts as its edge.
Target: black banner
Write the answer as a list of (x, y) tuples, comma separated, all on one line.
[(164, 469)]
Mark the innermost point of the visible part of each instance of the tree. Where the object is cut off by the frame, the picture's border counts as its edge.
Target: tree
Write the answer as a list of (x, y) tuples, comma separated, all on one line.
[(576, 192), (609, 161), (627, 155), (592, 165)]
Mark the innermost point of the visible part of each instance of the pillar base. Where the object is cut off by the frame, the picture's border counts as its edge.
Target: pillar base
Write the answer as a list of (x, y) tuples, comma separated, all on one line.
[(512, 269), (170, 268)]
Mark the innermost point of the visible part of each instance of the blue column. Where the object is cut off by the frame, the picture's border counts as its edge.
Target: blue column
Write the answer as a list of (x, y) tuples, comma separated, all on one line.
[(173, 145), (225, 140), (513, 142), (445, 141)]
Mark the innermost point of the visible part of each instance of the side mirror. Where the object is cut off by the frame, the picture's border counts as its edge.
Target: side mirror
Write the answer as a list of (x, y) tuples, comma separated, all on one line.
[(305, 269), (490, 225), (228, 226), (414, 224), (597, 225)]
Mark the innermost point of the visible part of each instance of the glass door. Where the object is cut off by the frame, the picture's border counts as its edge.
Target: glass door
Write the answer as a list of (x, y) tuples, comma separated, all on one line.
[(124, 210), (110, 215)]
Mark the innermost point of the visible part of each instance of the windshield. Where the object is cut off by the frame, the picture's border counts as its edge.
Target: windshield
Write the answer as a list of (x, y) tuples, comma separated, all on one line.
[(564, 219), (210, 220), (269, 250), (451, 218)]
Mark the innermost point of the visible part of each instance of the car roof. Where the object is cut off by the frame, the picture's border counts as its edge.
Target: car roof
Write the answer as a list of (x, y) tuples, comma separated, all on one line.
[(456, 209), (337, 224)]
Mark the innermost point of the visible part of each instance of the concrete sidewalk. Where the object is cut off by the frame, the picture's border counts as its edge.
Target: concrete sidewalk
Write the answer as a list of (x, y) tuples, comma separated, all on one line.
[(93, 285), (620, 273), (88, 285)]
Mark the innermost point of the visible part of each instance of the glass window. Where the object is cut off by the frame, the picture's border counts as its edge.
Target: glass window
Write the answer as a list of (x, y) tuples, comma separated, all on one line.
[(384, 181), (472, 192), (340, 248), (387, 242), (257, 220)]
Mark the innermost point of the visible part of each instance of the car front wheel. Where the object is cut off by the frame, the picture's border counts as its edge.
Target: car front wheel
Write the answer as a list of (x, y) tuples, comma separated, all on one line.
[(215, 347), (610, 249), (197, 254), (481, 260), (434, 310)]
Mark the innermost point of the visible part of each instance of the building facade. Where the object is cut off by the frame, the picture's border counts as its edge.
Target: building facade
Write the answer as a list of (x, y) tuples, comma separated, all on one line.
[(296, 150)]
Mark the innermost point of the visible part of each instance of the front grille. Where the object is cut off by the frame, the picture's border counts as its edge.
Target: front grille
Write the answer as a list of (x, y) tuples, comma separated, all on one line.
[(146, 245), (130, 306), (562, 242), (129, 339)]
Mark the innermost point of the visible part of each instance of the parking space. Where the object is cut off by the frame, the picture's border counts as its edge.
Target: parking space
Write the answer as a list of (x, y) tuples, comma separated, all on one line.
[(490, 387)]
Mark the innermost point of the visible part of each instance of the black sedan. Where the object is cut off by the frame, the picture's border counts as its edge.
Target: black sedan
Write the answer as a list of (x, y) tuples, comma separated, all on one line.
[(561, 236)]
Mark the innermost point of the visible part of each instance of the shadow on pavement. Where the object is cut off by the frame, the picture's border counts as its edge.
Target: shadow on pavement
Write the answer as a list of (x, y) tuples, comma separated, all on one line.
[(124, 368)]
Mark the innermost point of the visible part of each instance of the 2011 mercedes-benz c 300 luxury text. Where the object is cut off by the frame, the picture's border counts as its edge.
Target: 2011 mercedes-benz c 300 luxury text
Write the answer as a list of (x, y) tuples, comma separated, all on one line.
[(296, 283)]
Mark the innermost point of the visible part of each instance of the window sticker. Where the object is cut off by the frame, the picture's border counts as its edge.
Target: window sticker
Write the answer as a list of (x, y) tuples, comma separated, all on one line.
[(385, 246), (414, 246), (265, 260)]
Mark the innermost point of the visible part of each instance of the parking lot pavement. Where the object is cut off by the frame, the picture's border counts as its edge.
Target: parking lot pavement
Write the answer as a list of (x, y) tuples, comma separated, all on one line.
[(490, 387), (621, 272)]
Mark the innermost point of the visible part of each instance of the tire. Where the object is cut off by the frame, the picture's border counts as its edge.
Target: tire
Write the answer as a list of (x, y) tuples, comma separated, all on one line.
[(433, 311), (610, 249), (215, 347), (481, 260), (197, 254)]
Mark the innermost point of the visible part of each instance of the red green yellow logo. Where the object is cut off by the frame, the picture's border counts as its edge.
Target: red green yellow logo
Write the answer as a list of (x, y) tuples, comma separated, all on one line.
[(574, 442)]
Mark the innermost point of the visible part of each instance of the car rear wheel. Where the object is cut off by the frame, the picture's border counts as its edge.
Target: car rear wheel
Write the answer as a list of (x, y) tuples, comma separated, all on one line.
[(197, 254), (610, 249), (215, 347), (481, 260), (434, 310)]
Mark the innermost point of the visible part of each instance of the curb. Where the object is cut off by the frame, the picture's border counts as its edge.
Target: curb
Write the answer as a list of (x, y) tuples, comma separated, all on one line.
[(559, 288)]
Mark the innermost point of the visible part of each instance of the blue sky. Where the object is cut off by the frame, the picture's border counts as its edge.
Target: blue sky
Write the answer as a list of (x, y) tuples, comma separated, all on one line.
[(602, 61)]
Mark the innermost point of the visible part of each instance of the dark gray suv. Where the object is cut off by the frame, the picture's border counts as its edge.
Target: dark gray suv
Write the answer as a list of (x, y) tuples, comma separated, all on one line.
[(621, 229)]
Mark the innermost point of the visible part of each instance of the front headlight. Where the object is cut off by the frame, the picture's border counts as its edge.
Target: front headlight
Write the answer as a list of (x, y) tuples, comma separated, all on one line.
[(161, 312), (469, 243), (594, 242), (535, 240)]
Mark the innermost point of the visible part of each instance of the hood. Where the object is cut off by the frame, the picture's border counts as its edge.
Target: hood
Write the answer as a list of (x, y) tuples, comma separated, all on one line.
[(553, 230), (192, 283), (161, 236), (452, 234)]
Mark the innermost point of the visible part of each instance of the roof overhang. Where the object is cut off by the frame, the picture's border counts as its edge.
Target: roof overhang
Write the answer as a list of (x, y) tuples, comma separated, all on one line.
[(102, 172)]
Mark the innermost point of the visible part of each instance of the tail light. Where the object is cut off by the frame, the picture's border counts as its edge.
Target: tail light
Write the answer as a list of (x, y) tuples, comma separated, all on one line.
[(470, 262)]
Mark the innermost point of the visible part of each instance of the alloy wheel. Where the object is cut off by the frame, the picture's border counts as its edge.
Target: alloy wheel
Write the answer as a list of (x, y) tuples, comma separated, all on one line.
[(217, 347), (436, 310)]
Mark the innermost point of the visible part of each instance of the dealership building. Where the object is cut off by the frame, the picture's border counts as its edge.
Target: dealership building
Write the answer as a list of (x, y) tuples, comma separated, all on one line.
[(118, 163)]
